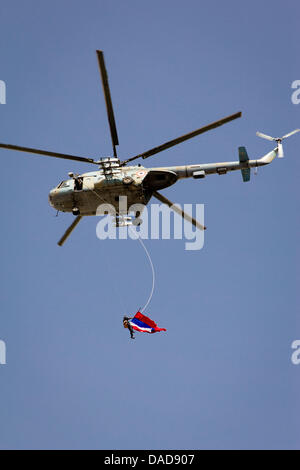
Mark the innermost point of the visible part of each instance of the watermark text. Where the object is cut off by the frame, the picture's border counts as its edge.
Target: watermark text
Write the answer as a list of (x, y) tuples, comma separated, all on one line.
[(296, 94), (295, 357), (2, 92), (2, 352), (159, 222)]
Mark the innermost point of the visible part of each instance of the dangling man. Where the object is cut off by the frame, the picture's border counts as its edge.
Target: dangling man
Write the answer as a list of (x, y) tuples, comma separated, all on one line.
[(126, 324), (140, 323)]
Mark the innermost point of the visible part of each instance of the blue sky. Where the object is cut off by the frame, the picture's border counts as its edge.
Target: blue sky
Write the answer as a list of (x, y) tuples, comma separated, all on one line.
[(221, 376)]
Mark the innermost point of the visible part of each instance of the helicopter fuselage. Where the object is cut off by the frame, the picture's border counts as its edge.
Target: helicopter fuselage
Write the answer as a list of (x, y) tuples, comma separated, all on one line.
[(88, 191)]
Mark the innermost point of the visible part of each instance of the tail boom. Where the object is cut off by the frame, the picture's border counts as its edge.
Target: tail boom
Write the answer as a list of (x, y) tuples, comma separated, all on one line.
[(193, 171)]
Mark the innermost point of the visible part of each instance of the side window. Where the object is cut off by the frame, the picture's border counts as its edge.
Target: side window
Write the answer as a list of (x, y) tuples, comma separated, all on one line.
[(65, 184)]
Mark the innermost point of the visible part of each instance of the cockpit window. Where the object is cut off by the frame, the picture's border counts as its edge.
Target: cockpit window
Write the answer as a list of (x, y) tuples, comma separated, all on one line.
[(63, 184)]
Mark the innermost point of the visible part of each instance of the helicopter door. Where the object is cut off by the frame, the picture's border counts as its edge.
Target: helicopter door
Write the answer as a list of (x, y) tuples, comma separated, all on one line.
[(78, 183), (83, 182)]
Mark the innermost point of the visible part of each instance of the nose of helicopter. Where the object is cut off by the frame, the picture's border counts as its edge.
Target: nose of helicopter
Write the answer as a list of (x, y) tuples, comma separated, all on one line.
[(51, 197)]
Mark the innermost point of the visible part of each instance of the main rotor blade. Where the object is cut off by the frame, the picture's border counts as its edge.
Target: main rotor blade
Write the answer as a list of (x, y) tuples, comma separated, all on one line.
[(108, 102), (176, 209), (178, 140), (48, 154), (69, 230)]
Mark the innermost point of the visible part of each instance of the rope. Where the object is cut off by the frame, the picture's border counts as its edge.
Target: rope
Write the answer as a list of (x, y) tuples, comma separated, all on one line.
[(153, 274)]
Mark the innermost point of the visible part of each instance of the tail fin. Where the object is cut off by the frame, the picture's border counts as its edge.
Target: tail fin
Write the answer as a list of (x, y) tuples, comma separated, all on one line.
[(243, 157)]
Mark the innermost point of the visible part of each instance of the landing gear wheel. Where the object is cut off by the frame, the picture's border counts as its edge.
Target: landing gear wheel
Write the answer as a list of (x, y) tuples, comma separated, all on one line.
[(75, 211)]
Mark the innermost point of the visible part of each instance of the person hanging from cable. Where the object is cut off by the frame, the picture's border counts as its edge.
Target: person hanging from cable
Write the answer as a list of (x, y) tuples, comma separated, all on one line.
[(140, 323), (126, 324)]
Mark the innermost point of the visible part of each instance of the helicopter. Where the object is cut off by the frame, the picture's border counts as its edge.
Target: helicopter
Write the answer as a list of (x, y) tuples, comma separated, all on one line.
[(82, 194)]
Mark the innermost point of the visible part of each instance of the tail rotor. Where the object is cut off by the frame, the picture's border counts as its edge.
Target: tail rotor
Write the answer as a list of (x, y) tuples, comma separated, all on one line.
[(278, 140)]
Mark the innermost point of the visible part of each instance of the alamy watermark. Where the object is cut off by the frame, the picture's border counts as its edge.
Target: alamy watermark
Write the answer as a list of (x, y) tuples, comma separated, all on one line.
[(295, 357), (2, 92), (158, 222), (2, 352), (296, 94)]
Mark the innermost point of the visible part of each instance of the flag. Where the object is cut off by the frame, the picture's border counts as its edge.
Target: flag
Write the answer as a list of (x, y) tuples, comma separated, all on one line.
[(144, 324)]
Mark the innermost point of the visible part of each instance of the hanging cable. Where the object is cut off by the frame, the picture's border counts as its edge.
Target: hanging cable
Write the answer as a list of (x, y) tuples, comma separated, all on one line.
[(153, 273)]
